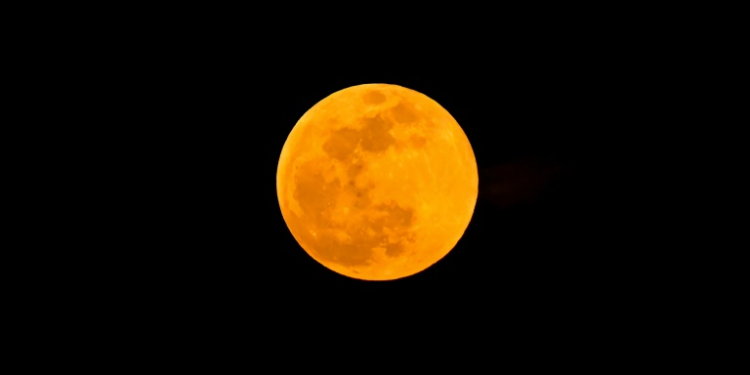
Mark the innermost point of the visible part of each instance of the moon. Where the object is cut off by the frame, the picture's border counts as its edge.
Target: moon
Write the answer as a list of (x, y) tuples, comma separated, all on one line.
[(377, 182)]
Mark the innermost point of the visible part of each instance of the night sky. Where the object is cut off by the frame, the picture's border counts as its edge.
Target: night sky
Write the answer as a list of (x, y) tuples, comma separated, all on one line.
[(202, 122), (158, 165)]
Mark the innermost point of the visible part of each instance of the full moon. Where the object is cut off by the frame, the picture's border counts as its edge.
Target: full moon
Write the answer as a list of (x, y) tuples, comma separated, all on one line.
[(377, 182)]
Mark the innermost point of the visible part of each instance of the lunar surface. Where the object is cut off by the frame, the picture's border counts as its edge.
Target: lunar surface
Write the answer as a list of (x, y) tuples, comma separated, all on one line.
[(377, 182)]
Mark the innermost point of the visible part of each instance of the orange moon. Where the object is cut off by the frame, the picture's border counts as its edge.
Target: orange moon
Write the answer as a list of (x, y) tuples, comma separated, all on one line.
[(377, 182)]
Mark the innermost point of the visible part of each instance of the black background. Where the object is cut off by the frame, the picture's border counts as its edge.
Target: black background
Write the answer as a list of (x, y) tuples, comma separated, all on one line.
[(194, 119), (158, 133)]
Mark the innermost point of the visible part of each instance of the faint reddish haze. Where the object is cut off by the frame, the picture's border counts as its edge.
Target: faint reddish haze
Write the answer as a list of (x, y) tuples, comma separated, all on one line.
[(522, 181)]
